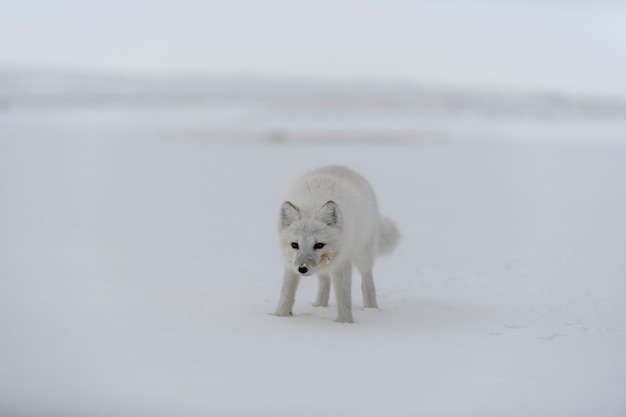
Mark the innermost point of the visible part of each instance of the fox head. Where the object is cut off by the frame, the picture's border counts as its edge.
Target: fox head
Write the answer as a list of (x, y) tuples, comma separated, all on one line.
[(310, 241)]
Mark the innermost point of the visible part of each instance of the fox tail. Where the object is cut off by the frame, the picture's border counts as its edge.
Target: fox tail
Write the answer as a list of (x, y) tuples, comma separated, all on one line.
[(388, 236)]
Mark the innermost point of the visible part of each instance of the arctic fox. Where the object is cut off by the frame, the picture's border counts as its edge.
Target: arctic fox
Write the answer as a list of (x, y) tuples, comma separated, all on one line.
[(329, 222)]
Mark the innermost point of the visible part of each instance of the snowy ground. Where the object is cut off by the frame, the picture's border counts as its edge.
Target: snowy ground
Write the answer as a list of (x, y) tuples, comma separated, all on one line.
[(139, 267)]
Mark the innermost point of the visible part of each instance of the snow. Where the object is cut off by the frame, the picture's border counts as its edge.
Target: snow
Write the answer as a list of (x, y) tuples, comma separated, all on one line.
[(139, 263)]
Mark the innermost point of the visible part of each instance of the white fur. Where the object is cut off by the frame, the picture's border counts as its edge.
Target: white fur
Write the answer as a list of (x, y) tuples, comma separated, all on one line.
[(336, 207)]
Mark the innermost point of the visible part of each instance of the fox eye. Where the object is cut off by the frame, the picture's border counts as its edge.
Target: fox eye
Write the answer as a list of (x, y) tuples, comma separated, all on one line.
[(319, 245), (294, 245)]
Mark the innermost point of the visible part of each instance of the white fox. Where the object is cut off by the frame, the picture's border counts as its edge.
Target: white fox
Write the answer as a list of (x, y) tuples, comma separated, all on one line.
[(329, 222)]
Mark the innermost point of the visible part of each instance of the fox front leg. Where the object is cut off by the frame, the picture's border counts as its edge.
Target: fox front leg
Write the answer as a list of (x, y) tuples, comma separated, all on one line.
[(288, 294)]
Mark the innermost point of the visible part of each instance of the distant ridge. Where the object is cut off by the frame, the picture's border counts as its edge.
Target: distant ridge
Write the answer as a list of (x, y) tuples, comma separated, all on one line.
[(57, 89)]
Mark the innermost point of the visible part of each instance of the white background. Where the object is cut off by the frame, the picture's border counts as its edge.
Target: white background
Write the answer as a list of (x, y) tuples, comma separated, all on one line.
[(559, 46)]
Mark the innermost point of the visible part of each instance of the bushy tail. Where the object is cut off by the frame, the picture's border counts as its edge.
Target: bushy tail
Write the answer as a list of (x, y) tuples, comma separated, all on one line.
[(388, 236)]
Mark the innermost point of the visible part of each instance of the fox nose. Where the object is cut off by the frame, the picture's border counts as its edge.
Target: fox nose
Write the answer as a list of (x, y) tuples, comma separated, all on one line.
[(303, 269)]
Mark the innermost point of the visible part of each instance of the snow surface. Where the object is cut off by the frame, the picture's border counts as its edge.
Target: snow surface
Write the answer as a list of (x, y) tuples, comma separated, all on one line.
[(139, 266)]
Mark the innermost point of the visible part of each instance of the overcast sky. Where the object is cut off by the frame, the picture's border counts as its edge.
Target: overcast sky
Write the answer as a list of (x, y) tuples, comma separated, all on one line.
[(559, 46)]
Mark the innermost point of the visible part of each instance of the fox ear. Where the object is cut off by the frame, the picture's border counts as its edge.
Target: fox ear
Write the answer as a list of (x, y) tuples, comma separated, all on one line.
[(330, 214), (288, 214)]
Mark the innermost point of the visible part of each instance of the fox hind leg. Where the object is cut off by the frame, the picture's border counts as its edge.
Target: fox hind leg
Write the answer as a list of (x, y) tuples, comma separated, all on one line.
[(323, 290), (365, 264), (369, 290), (342, 284)]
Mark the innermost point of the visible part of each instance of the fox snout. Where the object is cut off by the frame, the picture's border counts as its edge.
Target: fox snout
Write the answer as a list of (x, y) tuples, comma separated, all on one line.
[(305, 265), (306, 268)]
